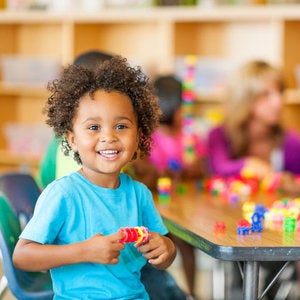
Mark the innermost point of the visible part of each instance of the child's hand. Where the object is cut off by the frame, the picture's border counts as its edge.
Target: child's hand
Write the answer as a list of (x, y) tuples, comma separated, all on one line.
[(103, 249), (159, 250), (258, 167)]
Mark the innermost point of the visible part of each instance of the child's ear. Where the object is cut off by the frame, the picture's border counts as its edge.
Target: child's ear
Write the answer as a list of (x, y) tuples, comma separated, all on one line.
[(71, 140)]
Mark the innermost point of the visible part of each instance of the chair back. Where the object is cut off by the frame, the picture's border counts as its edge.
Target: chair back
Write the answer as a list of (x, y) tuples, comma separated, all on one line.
[(22, 192), (23, 285)]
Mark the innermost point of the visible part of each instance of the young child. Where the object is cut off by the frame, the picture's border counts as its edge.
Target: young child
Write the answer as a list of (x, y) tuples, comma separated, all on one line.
[(106, 116), (166, 157), (167, 152)]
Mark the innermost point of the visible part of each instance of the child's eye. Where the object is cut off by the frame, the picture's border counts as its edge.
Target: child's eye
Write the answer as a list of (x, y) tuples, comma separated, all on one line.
[(121, 126), (94, 127)]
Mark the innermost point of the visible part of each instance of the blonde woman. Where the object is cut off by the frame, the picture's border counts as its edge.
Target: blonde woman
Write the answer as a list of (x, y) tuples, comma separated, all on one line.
[(252, 139), (251, 136)]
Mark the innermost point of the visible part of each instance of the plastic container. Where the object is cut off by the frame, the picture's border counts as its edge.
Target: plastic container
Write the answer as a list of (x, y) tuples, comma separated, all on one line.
[(27, 140), (210, 73), (28, 70)]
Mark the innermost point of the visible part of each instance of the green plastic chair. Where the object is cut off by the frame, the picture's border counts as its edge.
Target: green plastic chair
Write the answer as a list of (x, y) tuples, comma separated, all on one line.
[(23, 285)]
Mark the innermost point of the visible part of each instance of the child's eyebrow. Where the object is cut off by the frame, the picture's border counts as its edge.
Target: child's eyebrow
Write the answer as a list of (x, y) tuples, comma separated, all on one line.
[(117, 119), (124, 118)]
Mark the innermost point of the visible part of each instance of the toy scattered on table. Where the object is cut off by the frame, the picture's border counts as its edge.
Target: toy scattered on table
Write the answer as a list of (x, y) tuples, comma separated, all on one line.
[(271, 183), (249, 208), (219, 226), (257, 220), (284, 215), (174, 165), (181, 189), (231, 189), (254, 215), (164, 187), (215, 185), (243, 227), (188, 103), (138, 234), (289, 224), (234, 189), (260, 209)]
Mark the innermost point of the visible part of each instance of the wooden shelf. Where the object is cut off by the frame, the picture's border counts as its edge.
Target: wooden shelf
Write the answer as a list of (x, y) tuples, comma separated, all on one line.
[(162, 14), (14, 162), (153, 38), (23, 90), (292, 97)]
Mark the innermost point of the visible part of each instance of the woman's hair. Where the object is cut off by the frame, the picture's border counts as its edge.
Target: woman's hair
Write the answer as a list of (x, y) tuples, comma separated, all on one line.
[(169, 92), (245, 86), (112, 75)]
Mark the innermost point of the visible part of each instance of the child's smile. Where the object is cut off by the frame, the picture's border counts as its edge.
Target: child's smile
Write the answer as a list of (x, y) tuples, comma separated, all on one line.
[(109, 154)]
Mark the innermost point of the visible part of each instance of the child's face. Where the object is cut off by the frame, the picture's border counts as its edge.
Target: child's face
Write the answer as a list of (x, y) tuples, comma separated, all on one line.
[(105, 133)]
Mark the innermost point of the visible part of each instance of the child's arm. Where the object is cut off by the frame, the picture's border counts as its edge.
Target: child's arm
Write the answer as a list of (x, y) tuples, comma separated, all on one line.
[(32, 256), (159, 250), (258, 167)]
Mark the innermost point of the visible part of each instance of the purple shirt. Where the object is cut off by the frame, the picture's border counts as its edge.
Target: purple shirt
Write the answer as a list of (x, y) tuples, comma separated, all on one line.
[(222, 163)]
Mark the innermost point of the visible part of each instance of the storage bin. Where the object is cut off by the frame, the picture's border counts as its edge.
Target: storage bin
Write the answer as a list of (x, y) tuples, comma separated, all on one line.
[(27, 140), (29, 70)]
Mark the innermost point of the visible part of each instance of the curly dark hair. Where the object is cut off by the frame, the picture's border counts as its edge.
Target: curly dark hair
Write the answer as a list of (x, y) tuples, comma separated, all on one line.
[(112, 75)]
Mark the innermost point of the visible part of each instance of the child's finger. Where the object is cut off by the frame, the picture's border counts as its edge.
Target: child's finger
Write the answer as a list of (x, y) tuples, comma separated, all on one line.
[(115, 237)]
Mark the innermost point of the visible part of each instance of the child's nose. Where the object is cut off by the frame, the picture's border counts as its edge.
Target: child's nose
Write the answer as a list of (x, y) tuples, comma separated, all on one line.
[(107, 136)]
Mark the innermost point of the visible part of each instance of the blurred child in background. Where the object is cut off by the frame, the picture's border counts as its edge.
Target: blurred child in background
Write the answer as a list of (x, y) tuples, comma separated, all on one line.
[(166, 158)]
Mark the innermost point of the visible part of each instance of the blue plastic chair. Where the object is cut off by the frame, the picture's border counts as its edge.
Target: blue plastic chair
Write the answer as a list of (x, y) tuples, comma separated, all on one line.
[(22, 192), (23, 285)]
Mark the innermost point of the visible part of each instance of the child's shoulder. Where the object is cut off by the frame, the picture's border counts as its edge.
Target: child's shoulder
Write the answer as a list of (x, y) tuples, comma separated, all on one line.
[(128, 180), (64, 181)]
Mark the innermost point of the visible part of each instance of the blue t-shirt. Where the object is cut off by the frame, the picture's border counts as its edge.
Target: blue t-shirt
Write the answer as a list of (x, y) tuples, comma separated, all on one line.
[(72, 209)]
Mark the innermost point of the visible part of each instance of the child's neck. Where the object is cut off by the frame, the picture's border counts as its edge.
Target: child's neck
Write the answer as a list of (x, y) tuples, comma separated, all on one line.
[(103, 180)]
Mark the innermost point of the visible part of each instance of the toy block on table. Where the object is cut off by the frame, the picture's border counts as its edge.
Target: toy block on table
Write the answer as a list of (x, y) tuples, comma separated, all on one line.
[(164, 187)]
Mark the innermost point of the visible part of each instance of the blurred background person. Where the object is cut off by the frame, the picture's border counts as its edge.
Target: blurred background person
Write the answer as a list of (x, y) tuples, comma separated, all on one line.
[(252, 140), (166, 159)]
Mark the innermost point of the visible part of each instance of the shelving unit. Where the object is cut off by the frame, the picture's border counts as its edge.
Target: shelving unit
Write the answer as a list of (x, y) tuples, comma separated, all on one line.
[(152, 38)]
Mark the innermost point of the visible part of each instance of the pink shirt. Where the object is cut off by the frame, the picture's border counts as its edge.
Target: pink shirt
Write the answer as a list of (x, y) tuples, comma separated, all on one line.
[(168, 148)]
